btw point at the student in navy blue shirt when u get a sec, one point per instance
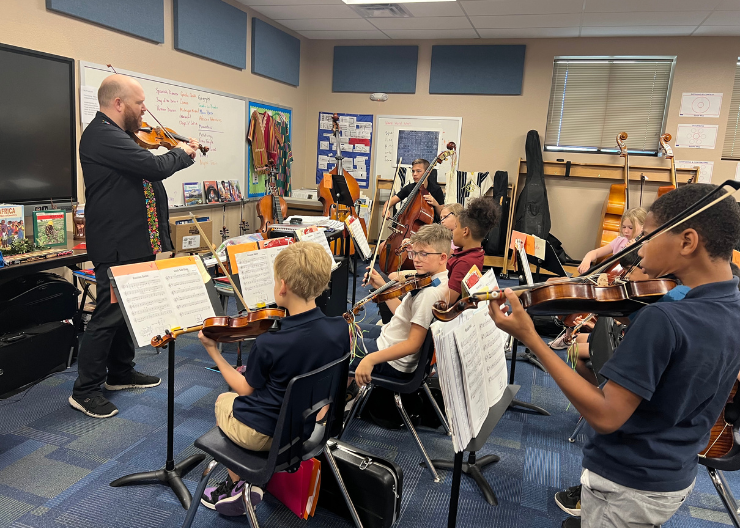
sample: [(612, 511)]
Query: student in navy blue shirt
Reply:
[(307, 340), (668, 380)]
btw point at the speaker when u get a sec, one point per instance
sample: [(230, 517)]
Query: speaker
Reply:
[(28, 355), (333, 301)]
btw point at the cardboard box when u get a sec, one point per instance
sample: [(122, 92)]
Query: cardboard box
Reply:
[(186, 237)]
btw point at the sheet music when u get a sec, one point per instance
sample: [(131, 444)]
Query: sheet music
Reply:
[(189, 295), (487, 282), (320, 238), (494, 358), (256, 275), (355, 229), (471, 356), (148, 304)]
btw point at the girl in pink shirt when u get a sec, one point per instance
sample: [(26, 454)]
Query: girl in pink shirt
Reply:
[(632, 222)]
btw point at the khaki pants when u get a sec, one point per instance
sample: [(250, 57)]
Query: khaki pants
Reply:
[(239, 433)]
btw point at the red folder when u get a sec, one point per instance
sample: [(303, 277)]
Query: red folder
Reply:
[(298, 491)]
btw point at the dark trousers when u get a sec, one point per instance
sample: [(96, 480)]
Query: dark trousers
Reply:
[(106, 347)]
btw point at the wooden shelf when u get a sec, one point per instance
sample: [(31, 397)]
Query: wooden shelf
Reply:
[(608, 171)]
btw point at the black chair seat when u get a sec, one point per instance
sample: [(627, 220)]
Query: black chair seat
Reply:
[(729, 462), (249, 465), (395, 385)]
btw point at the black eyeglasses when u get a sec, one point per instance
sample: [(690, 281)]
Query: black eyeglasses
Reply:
[(442, 219), (421, 254)]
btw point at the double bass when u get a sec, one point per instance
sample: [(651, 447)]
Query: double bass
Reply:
[(617, 202), (668, 154), (272, 208), (327, 191), (415, 213)]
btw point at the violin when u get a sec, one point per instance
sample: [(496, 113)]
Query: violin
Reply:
[(721, 438), (415, 213), (668, 154), (154, 137), (390, 290)]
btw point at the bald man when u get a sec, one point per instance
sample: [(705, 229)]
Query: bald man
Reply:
[(127, 221)]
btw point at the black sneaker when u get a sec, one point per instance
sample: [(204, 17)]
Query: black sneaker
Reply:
[(571, 522), (570, 501), (95, 406), (136, 380), (217, 493)]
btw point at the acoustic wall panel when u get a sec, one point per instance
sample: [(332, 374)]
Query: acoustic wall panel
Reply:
[(275, 54), (141, 18), (367, 69), (477, 70), (211, 29)]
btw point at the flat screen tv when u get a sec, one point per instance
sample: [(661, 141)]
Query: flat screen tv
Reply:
[(37, 134)]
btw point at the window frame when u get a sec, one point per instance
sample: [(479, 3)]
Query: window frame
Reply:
[(737, 118), (603, 58)]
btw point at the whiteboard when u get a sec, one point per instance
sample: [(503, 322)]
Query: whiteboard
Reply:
[(217, 120), (417, 134)]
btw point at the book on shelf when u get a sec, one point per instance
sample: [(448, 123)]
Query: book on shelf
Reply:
[(50, 228), (12, 226), (211, 193), (192, 193)]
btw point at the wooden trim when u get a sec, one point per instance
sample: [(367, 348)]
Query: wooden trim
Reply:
[(609, 171)]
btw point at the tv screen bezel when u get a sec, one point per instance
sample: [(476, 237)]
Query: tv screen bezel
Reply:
[(70, 62)]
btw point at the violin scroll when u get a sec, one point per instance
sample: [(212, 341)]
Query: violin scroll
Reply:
[(665, 147), (159, 341), (621, 138)]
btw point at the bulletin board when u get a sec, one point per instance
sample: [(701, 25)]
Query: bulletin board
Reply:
[(356, 138), (256, 182)]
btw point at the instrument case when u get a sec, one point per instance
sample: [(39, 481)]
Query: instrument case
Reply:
[(35, 299), (373, 483)]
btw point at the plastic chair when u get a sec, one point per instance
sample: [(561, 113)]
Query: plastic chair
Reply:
[(399, 387), (305, 396)]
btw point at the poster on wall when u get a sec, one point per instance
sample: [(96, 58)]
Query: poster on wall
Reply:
[(700, 104), (355, 138), (255, 180)]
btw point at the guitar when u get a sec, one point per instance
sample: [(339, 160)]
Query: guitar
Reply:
[(272, 208), (668, 154), (721, 438), (617, 202)]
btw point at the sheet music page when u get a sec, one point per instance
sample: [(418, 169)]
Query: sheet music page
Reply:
[(468, 347), (494, 359), (189, 295), (355, 229), (487, 282), (320, 238), (148, 305), (256, 275)]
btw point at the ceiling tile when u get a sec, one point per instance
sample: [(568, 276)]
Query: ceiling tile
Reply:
[(529, 32), (431, 33), (324, 24), (717, 31), (252, 3), (521, 7), (526, 21), (307, 11), (637, 31), (728, 5), (665, 6), (675, 18), (422, 23), (344, 35), (723, 18), (434, 9)]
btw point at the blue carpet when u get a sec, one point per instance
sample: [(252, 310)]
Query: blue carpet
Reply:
[(56, 464)]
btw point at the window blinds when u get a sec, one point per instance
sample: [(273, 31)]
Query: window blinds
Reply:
[(592, 100), (731, 147)]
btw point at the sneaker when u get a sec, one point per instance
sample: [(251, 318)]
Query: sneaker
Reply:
[(95, 406), (136, 380), (570, 501), (233, 505), (561, 343), (571, 522), (216, 493), (352, 391)]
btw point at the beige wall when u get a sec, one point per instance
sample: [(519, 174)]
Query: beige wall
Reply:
[(495, 127)]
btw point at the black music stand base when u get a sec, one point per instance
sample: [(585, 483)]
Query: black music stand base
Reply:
[(529, 357), (474, 468), (172, 473)]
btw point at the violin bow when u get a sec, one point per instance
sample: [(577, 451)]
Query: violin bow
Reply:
[(690, 212), (385, 218), (220, 264)]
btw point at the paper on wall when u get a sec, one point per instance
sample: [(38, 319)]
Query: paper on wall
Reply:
[(700, 104), (696, 136), (88, 103), (705, 168)]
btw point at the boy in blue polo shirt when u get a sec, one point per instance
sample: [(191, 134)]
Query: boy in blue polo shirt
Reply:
[(669, 378), (307, 340)]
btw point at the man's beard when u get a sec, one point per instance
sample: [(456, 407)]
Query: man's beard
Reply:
[(130, 120)]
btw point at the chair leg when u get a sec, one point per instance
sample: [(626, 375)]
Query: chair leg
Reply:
[(247, 496), (357, 407), (198, 494), (342, 487), (436, 408), (724, 492), (579, 425), (410, 427)]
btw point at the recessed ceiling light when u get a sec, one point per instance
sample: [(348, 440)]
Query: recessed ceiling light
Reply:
[(356, 2)]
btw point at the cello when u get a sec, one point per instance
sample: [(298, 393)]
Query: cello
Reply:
[(668, 154), (617, 202), (339, 209), (415, 213), (272, 208)]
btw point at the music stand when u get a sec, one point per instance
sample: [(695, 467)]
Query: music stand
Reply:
[(171, 474)]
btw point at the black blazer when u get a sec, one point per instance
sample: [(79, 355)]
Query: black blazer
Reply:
[(114, 167)]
